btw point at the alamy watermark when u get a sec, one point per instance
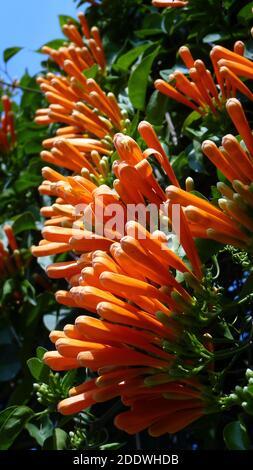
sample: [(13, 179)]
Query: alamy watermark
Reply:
[(114, 220)]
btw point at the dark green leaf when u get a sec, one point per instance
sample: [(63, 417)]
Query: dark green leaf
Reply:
[(12, 422), (207, 248), (54, 44), (143, 33), (167, 72), (40, 351), (24, 222), (38, 370), (68, 379), (10, 52), (236, 437), (91, 72), (66, 19), (211, 38), (127, 59), (194, 116), (58, 441), (112, 446), (196, 159), (138, 82), (245, 14), (26, 181), (156, 108), (41, 433)]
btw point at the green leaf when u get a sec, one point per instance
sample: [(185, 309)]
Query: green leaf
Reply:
[(143, 33), (40, 434), (134, 124), (68, 379), (207, 248), (236, 437), (28, 291), (24, 222), (26, 181), (91, 72), (245, 14), (165, 73), (40, 351), (138, 82), (196, 159), (211, 38), (66, 19), (58, 441), (54, 44), (7, 288), (12, 422), (156, 108), (10, 52), (192, 117), (127, 59), (51, 320), (112, 446), (38, 370)]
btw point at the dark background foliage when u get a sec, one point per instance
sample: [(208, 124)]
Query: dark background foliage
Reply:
[(141, 44)]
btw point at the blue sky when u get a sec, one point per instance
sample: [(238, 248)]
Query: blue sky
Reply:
[(30, 23)]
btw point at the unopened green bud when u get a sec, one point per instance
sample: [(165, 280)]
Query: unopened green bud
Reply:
[(181, 302), (247, 408), (249, 374), (189, 184), (193, 282)]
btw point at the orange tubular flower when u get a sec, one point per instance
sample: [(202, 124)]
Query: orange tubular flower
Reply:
[(232, 222), (123, 273), (85, 52), (169, 3), (199, 92), (125, 283)]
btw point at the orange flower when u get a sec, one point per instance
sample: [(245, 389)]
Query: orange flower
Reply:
[(200, 92), (125, 274), (86, 52), (205, 220), (169, 3), (132, 357)]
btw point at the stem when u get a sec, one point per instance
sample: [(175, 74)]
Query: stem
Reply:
[(214, 258), (223, 355), (171, 129), (248, 298), (24, 88)]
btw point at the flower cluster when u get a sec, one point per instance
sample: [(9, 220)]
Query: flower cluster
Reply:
[(231, 222), (200, 92), (84, 50), (7, 130), (148, 339)]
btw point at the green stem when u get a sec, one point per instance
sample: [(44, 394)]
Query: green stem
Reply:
[(24, 88)]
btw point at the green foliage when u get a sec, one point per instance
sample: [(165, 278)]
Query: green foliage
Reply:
[(10, 52), (141, 44), (138, 81), (12, 422), (236, 437)]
